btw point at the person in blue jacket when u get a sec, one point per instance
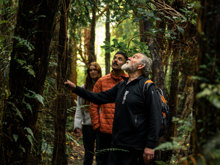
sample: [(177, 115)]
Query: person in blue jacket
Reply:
[(136, 123)]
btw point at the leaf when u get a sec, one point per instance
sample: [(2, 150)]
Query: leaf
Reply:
[(30, 70), (160, 162), (135, 41), (70, 137), (16, 110), (168, 146), (180, 29), (29, 107), (22, 148), (21, 62), (19, 113), (15, 137), (39, 98), (30, 139), (169, 18), (3, 22), (29, 131)]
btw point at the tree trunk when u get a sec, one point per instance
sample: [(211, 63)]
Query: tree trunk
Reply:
[(59, 151), (92, 56), (107, 39), (207, 115), (174, 89), (5, 33), (87, 38), (72, 67), (28, 69), (158, 75)]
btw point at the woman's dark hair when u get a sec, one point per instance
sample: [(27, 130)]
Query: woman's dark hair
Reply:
[(89, 84), (89, 81)]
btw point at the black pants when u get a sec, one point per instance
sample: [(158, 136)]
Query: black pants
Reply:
[(125, 156), (103, 144), (89, 137)]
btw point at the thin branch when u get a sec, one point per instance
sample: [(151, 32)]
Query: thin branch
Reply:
[(162, 6)]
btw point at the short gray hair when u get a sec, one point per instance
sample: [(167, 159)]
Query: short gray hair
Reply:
[(147, 64)]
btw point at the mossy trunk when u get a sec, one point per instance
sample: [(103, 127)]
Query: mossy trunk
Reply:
[(28, 69)]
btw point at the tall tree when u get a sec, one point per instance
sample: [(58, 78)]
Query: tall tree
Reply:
[(59, 151), (92, 56), (7, 16), (72, 58), (107, 39), (28, 68), (207, 110)]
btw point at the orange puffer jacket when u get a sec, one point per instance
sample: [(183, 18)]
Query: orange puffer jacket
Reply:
[(102, 115)]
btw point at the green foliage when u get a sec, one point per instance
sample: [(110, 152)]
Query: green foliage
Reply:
[(34, 95), (135, 47), (127, 39), (190, 11), (23, 43), (180, 143), (47, 152), (81, 72), (210, 92), (15, 137), (18, 112), (211, 151), (180, 29), (174, 145), (110, 150), (30, 135), (160, 162)]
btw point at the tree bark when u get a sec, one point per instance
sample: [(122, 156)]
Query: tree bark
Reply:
[(6, 39), (92, 56), (28, 69), (72, 66), (158, 75), (107, 39), (206, 114), (59, 151)]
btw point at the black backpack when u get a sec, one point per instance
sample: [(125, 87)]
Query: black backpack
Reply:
[(164, 107)]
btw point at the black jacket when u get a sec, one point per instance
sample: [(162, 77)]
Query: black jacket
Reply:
[(137, 117)]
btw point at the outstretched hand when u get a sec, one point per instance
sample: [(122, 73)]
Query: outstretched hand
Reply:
[(70, 84)]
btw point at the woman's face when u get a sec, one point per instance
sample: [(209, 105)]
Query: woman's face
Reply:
[(93, 72)]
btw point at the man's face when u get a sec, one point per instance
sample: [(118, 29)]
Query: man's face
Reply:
[(132, 63), (118, 61)]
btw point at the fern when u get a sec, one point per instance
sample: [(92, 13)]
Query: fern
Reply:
[(23, 42), (110, 150)]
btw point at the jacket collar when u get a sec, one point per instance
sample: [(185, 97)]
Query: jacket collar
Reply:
[(139, 78), (119, 77)]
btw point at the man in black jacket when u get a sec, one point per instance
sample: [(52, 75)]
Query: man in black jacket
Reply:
[(136, 122)]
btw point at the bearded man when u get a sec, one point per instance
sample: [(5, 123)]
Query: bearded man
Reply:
[(136, 122)]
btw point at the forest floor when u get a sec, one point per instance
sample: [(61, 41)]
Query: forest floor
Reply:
[(77, 152)]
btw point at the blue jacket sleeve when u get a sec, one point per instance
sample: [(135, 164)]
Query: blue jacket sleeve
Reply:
[(97, 98)]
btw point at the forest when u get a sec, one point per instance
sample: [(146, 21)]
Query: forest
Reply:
[(45, 42)]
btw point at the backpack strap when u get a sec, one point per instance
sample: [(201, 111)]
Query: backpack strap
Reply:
[(147, 84)]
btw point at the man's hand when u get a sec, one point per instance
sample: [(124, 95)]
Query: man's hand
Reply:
[(148, 155), (70, 84)]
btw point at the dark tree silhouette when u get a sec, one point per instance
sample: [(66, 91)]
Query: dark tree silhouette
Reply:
[(28, 69)]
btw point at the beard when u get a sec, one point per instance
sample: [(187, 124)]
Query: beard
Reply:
[(129, 68)]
